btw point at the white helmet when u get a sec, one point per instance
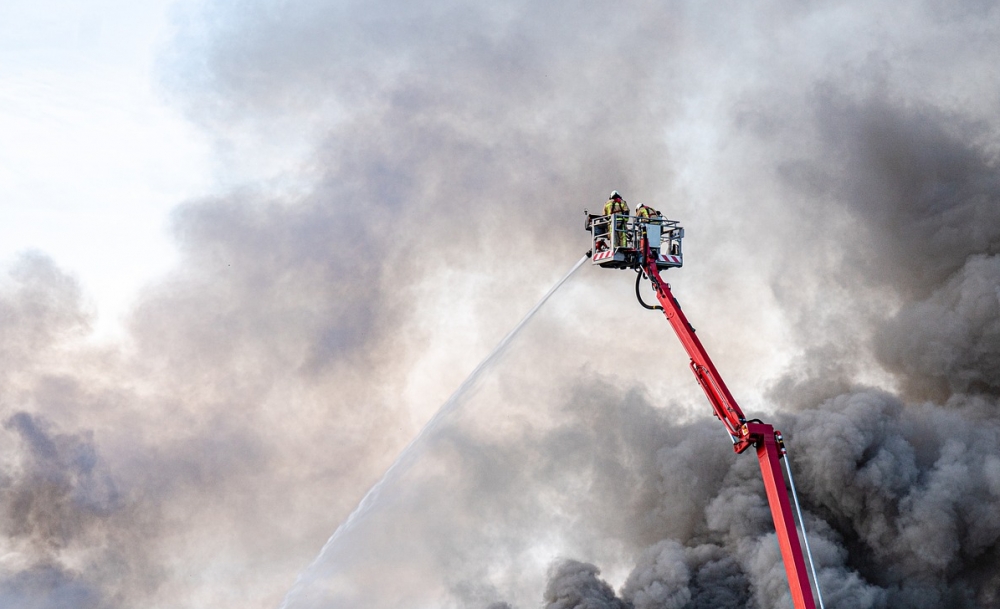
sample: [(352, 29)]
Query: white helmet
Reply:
[(614, 193)]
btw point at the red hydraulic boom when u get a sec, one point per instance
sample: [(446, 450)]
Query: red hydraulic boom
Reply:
[(648, 245)]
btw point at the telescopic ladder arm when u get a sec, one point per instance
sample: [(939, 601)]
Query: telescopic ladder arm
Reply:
[(744, 434)]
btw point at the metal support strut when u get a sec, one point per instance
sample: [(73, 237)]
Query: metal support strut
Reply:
[(802, 523)]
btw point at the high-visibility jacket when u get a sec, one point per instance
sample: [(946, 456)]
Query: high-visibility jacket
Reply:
[(646, 212), (615, 206), (618, 206)]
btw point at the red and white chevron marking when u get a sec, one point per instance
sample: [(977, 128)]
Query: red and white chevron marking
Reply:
[(670, 258), (603, 255)]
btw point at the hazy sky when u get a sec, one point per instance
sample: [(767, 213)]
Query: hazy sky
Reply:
[(94, 157)]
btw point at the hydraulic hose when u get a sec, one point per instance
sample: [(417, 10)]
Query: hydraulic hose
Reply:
[(638, 278)]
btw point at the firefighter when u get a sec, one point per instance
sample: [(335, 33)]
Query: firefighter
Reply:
[(644, 212), (617, 205)]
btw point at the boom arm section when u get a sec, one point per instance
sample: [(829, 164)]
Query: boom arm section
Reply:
[(745, 434)]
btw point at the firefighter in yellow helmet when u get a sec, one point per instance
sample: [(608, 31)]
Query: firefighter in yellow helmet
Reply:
[(617, 205)]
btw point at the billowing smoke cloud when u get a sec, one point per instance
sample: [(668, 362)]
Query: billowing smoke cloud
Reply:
[(575, 584), (403, 181)]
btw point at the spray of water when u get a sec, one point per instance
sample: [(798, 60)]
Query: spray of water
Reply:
[(412, 450)]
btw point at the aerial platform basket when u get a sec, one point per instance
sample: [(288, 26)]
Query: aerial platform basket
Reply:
[(617, 241)]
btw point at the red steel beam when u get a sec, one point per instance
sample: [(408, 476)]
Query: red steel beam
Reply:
[(745, 434), (768, 455)]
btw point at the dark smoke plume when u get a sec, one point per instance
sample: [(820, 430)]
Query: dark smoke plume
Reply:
[(575, 585), (399, 183)]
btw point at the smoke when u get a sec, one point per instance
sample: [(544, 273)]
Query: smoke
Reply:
[(399, 182), (573, 584), (73, 530)]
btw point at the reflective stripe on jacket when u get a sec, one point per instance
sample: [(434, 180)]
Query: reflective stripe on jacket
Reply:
[(646, 212), (615, 207)]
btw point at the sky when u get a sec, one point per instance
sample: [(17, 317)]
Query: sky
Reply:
[(249, 249), (94, 157)]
